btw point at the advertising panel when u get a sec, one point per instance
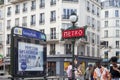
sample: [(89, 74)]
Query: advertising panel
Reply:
[(30, 57)]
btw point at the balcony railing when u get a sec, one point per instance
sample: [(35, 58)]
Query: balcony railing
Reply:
[(8, 13), (24, 9), (16, 1), (52, 19), (52, 3), (65, 16), (53, 37), (41, 21), (42, 5), (17, 11), (33, 7)]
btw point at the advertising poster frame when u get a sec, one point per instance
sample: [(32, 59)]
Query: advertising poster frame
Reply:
[(27, 47)]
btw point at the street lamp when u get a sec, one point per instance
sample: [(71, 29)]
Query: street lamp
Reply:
[(73, 18)]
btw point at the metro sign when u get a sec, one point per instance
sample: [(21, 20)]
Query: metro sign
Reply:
[(74, 33)]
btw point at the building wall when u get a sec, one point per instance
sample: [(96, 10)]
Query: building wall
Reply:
[(111, 27)]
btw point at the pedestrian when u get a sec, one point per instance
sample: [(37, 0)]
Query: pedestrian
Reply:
[(100, 72), (114, 69), (69, 71), (79, 75), (88, 72)]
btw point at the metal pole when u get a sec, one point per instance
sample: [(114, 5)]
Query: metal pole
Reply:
[(73, 76)]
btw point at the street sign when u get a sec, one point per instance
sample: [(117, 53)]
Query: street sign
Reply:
[(74, 33)]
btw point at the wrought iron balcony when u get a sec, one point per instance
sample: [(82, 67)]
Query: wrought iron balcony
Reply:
[(42, 5), (24, 9), (65, 16), (17, 1), (54, 37), (52, 2), (8, 13), (41, 21)]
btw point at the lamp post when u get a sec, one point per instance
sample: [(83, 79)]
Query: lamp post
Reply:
[(73, 18)]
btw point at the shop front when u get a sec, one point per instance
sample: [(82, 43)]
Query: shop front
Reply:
[(57, 64)]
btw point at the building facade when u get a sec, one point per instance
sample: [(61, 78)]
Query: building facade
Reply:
[(50, 16), (110, 29)]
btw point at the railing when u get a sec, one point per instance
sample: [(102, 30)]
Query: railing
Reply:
[(52, 37)]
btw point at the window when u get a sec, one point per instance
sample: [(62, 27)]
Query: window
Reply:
[(1, 27), (106, 33), (24, 23), (42, 3), (106, 55), (33, 19), (93, 11), (51, 68), (93, 51), (17, 9), (8, 38), (8, 11), (98, 11), (118, 54), (53, 33), (88, 51), (17, 22), (52, 49), (8, 24), (93, 22), (88, 20), (53, 2), (42, 18), (117, 44), (106, 13), (1, 14), (93, 38), (98, 25), (98, 39), (117, 23), (24, 7), (117, 33), (33, 7), (68, 48), (116, 13), (53, 16), (67, 13), (88, 6), (8, 52), (106, 23)]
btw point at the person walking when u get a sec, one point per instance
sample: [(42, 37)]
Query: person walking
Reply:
[(114, 69), (79, 75), (69, 71), (100, 72), (88, 72)]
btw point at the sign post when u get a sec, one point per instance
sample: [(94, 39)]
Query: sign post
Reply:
[(28, 53)]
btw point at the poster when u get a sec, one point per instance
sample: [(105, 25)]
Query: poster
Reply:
[(30, 57)]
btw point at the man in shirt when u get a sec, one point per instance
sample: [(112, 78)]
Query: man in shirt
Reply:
[(100, 72)]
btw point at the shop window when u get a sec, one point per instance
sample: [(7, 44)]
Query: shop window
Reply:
[(51, 68)]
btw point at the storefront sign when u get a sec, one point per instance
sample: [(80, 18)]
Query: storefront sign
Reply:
[(73, 33)]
